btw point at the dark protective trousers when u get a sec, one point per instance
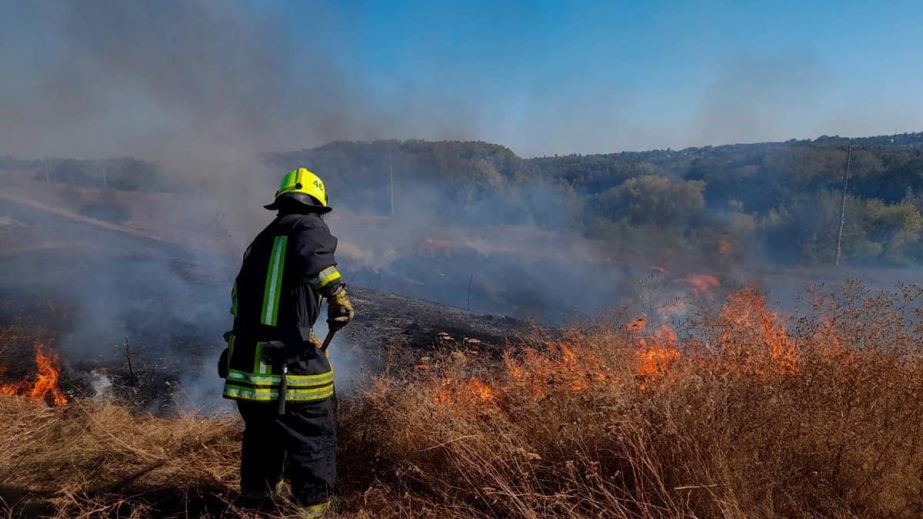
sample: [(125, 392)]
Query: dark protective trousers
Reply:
[(299, 446)]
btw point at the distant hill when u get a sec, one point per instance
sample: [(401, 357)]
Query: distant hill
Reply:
[(784, 197), (780, 199), (122, 174)]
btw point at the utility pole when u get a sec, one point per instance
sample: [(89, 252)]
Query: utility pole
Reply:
[(839, 234)]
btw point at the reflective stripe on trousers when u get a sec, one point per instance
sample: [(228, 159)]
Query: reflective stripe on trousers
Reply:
[(241, 385)]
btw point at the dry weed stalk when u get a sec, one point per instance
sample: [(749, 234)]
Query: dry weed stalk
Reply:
[(748, 415), (741, 413)]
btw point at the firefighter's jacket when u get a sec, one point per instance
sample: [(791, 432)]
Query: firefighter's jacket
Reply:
[(275, 302)]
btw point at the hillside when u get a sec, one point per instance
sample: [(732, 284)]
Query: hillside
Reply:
[(655, 407), (783, 199)]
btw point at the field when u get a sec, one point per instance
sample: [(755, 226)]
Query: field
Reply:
[(605, 262), (733, 412)]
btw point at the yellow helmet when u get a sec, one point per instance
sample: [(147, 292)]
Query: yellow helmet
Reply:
[(303, 186)]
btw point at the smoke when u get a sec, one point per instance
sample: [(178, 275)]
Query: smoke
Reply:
[(198, 87), (129, 77), (203, 88), (101, 384)]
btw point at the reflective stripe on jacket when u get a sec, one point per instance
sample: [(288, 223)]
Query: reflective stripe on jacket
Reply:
[(275, 301)]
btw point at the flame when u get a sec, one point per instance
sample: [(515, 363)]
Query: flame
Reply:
[(724, 247), (747, 313), (750, 340), (657, 353), (701, 283), (655, 361), (638, 325), (449, 393), (665, 335), (480, 390), (576, 368), (675, 308), (567, 354), (45, 386)]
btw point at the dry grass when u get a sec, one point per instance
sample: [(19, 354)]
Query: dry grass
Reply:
[(743, 415), (101, 459)]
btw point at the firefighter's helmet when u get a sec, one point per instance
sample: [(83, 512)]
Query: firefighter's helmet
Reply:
[(302, 186)]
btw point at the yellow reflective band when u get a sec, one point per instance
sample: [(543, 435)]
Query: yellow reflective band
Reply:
[(314, 511), (288, 182), (266, 394), (273, 290), (302, 381), (258, 365), (246, 393), (325, 277)]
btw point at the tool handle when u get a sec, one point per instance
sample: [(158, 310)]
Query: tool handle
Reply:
[(327, 340)]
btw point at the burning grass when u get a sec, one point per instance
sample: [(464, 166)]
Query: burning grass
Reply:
[(738, 413), (45, 385)]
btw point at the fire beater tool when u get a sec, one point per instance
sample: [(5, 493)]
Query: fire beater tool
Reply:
[(327, 340)]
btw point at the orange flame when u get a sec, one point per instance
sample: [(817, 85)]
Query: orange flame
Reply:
[(747, 312), (701, 283), (725, 246), (638, 325), (567, 354), (45, 386), (479, 389), (450, 393), (657, 353), (750, 341)]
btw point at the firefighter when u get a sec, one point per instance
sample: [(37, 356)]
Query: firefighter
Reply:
[(273, 366)]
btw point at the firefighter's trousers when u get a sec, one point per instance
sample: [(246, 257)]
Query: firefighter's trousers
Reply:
[(299, 446)]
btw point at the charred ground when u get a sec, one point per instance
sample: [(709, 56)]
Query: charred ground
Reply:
[(109, 294)]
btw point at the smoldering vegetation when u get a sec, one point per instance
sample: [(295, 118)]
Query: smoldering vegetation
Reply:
[(205, 103), (139, 142), (735, 412), (466, 224)]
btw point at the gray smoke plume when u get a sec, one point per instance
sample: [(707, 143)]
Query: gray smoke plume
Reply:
[(199, 87), (202, 89)]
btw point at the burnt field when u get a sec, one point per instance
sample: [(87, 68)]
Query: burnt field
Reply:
[(737, 412), (110, 279), (142, 316), (161, 344), (698, 395)]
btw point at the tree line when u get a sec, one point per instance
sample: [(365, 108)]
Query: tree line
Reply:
[(783, 198)]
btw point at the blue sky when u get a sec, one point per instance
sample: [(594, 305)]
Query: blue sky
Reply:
[(101, 77), (556, 77)]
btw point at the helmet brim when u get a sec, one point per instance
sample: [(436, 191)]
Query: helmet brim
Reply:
[(307, 201)]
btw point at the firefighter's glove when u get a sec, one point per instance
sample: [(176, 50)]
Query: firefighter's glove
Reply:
[(224, 360), (313, 340), (223, 363), (339, 310)]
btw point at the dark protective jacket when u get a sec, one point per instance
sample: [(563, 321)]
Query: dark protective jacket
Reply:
[(275, 301)]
